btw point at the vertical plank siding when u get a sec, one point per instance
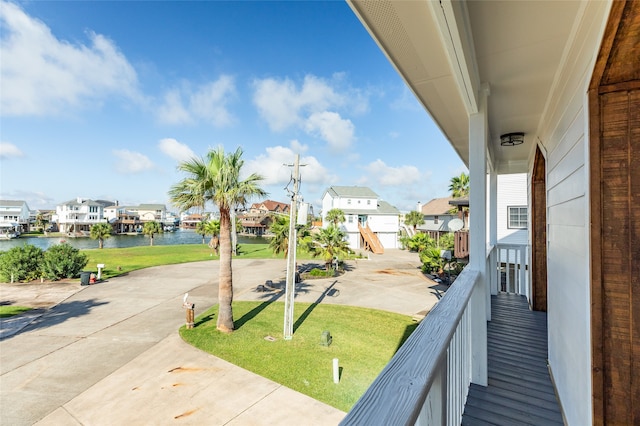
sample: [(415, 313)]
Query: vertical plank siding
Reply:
[(520, 389)]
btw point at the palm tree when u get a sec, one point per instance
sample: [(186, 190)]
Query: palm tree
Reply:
[(413, 219), (330, 243), (335, 216), (200, 229), (459, 186), (279, 243), (150, 229), (100, 231), (216, 178), (212, 228)]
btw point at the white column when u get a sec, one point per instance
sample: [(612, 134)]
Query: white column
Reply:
[(478, 240), (492, 273)]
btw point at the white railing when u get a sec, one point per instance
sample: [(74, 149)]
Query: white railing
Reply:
[(427, 380), (512, 270)]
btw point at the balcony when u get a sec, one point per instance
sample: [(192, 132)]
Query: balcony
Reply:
[(429, 380)]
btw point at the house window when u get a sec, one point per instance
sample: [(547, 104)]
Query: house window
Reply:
[(93, 209), (348, 200), (368, 202), (517, 217), (350, 219)]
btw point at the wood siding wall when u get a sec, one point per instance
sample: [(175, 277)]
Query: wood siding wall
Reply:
[(615, 229)]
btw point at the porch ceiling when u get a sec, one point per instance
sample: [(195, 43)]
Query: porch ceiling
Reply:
[(446, 50)]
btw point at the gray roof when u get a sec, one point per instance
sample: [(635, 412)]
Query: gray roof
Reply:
[(152, 206), (12, 203), (384, 208), (351, 191)]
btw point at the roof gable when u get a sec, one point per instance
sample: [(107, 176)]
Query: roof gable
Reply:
[(437, 206)]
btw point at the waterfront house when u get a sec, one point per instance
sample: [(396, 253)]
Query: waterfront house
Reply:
[(258, 218), (14, 216), (76, 217), (550, 89), (370, 223)]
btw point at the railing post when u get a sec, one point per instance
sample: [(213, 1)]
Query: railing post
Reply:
[(434, 409)]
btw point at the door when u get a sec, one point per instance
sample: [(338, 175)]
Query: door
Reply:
[(614, 102)]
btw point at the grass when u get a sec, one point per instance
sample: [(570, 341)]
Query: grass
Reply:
[(364, 340), (119, 261), (11, 310)]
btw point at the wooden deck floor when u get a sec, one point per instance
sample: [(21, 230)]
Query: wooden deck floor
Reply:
[(520, 390)]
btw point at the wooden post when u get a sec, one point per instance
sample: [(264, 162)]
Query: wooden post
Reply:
[(190, 307)]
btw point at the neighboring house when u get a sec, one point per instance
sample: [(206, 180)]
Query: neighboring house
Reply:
[(436, 214), (129, 219), (370, 223), (258, 219), (550, 89), (190, 221), (14, 216), (513, 209), (76, 217)]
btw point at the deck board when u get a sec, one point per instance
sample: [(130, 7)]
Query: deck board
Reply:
[(520, 389)]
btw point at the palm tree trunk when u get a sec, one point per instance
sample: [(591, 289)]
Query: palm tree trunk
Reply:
[(225, 286)]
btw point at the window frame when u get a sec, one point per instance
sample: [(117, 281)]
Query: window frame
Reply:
[(519, 224)]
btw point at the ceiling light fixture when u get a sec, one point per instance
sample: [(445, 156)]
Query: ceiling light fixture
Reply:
[(512, 139)]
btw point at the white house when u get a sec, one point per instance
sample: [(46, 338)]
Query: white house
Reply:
[(369, 221), (79, 215), (14, 216), (550, 89)]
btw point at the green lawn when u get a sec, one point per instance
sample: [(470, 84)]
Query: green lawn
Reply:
[(11, 310), (118, 261), (364, 340)]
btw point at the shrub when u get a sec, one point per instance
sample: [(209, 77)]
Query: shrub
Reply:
[(21, 264), (431, 260), (63, 261)]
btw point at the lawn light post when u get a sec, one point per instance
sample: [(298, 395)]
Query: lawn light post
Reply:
[(290, 287)]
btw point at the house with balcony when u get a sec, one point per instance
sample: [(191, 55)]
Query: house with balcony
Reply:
[(258, 218), (550, 89), (370, 223), (76, 217), (14, 218)]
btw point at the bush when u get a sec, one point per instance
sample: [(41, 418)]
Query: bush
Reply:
[(431, 260), (63, 261), (21, 264)]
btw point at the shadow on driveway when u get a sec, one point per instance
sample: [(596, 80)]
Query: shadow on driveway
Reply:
[(64, 311)]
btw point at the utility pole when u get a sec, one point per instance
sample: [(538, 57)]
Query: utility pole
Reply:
[(291, 256)]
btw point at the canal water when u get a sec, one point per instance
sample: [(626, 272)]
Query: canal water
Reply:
[(181, 236)]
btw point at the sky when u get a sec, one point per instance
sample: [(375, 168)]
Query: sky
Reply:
[(103, 100)]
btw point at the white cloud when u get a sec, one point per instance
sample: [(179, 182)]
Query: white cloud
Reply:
[(386, 175), (34, 199), (206, 103), (176, 150), (9, 150), (173, 111), (313, 107), (274, 166), (42, 74), (338, 132), (130, 162)]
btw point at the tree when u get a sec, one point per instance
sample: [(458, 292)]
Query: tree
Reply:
[(212, 228), (330, 243), (414, 219), (216, 178), (100, 231), (200, 229), (459, 186), (279, 243), (335, 216), (151, 229)]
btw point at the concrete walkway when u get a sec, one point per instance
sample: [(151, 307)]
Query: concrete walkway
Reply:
[(109, 353)]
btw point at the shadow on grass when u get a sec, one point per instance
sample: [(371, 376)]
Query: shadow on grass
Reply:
[(204, 319), (311, 307), (407, 332), (254, 312)]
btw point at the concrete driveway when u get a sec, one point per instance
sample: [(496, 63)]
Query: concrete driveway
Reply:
[(110, 353)]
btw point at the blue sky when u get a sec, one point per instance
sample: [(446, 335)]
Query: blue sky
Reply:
[(103, 99)]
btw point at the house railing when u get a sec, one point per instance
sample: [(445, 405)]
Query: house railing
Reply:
[(427, 380), (512, 270), (461, 244)]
